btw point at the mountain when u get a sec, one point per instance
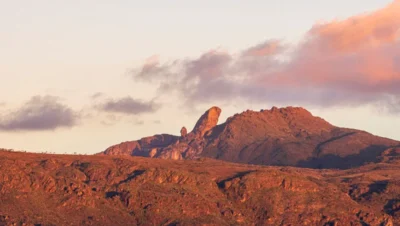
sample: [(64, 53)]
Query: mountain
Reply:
[(39, 189), (289, 136)]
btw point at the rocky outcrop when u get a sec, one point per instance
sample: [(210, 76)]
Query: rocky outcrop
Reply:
[(191, 146), (187, 146), (289, 136), (144, 147), (124, 148), (207, 121), (183, 132)]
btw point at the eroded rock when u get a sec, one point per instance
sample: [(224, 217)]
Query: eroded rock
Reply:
[(207, 121), (183, 132)]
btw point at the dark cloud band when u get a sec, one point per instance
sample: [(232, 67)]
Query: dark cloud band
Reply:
[(128, 105)]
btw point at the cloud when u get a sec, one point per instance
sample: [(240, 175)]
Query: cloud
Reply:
[(267, 48), (128, 105), (96, 95), (137, 122), (350, 62), (39, 113), (157, 122), (355, 61), (362, 31), (110, 119), (152, 69)]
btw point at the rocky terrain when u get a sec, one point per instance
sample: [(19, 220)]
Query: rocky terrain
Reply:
[(355, 180), (39, 189), (289, 136)]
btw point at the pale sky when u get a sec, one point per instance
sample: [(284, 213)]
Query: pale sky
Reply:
[(67, 67)]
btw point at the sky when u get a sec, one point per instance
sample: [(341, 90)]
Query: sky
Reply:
[(79, 76)]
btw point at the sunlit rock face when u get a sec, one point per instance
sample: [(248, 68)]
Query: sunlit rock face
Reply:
[(207, 121)]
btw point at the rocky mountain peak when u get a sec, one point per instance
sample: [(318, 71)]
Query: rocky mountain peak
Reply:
[(277, 136), (207, 121)]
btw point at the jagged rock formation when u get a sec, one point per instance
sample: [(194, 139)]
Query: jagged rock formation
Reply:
[(183, 132), (280, 136), (38, 189), (207, 121), (187, 146)]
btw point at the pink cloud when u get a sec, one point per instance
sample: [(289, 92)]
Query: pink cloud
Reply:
[(351, 62), (364, 31), (267, 48)]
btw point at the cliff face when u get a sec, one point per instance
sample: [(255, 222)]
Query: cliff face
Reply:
[(207, 121), (280, 136), (37, 189)]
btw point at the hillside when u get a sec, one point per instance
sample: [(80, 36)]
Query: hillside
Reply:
[(38, 189), (289, 136)]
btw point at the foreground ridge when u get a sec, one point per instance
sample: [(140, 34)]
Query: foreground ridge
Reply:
[(38, 189)]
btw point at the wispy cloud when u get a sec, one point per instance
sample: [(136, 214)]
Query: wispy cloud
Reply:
[(97, 95), (157, 122), (127, 105), (39, 113)]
